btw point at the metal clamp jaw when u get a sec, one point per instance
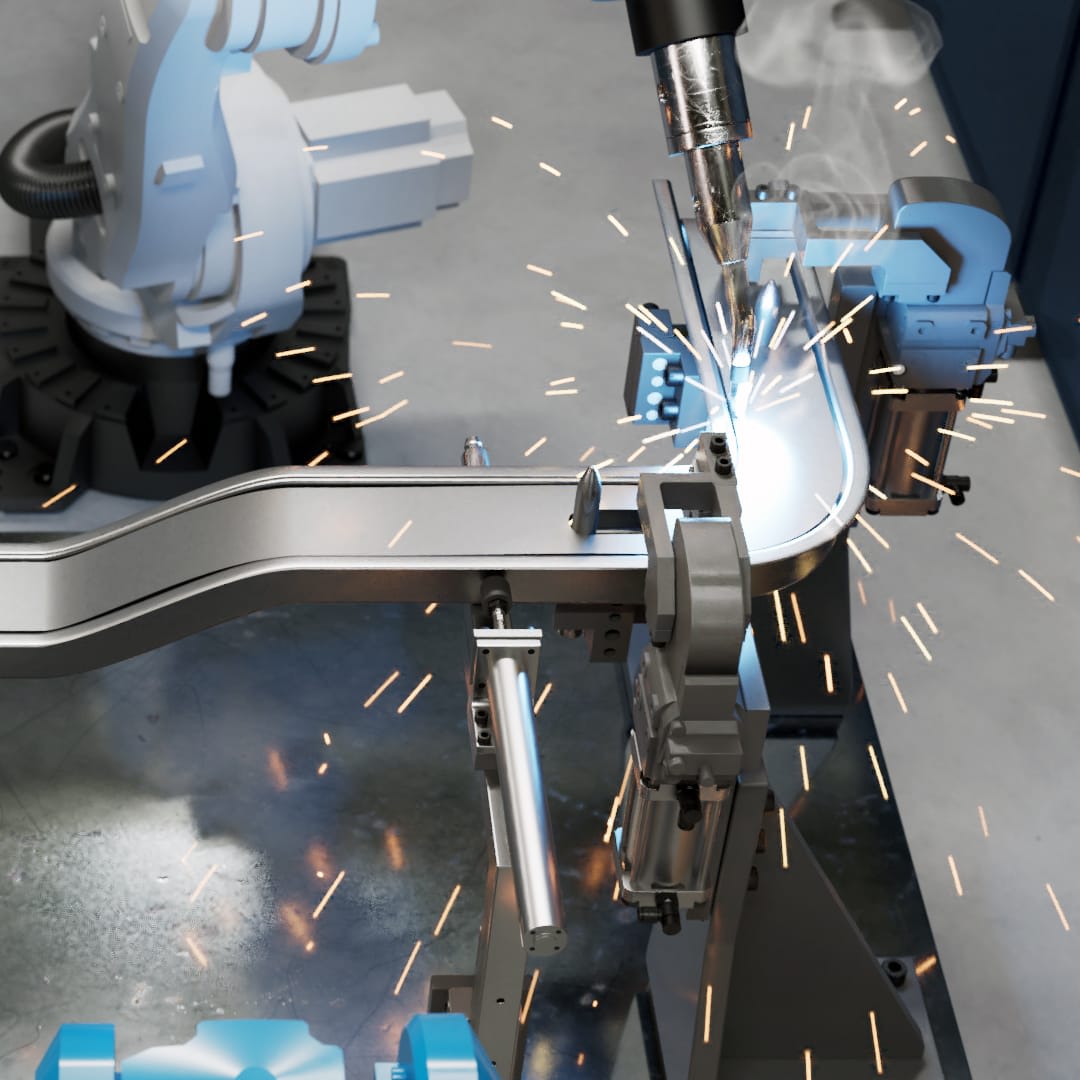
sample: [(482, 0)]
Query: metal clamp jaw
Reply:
[(687, 746)]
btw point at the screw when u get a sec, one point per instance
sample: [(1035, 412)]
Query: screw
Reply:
[(896, 970)]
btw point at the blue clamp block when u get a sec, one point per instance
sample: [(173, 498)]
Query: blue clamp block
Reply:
[(221, 1050), (439, 1046)]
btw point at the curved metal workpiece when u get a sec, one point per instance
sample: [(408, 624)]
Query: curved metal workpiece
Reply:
[(802, 480)]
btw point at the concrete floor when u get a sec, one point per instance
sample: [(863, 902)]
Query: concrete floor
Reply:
[(989, 721)]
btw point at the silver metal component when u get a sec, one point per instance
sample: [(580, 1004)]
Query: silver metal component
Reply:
[(586, 516), (700, 89), (766, 318), (475, 455), (505, 660)]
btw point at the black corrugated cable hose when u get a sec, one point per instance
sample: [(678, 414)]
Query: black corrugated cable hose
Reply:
[(37, 182)]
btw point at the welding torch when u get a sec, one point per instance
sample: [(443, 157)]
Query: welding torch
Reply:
[(703, 104)]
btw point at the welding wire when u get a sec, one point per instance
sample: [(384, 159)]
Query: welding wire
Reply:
[(408, 966)]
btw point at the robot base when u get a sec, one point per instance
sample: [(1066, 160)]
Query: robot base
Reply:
[(75, 411)]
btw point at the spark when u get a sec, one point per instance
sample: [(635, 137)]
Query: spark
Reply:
[(804, 767), (817, 337), (706, 391), (682, 338), (446, 910), (560, 393), (915, 111), (862, 592), (1034, 584), (297, 352), (249, 236), (563, 382), (906, 623), (391, 377), (798, 618), (788, 264), (951, 139), (399, 534), (569, 301), (980, 423), (655, 340), (172, 450), (196, 952), (859, 555), (876, 237), (932, 483), (618, 225), (316, 148), (318, 459), (1021, 412), (883, 390), (615, 891), (928, 963), (877, 771), (588, 454), (202, 884), (529, 996), (784, 864), (626, 777), (277, 770), (383, 415), (920, 148), (472, 344), (720, 318), (433, 154), (956, 877), (549, 168), (675, 248), (636, 454), (797, 382), (544, 695), (1057, 906), (808, 1062), (917, 457), (372, 296), (892, 611), (629, 419), (780, 625), (535, 446), (900, 104), (651, 317), (896, 690), (872, 531), (847, 335), (1015, 329), (1069, 472), (781, 331), (708, 1012), (790, 135), (778, 401), (956, 434), (430, 609), (408, 966), (339, 377), (878, 1066), (255, 319), (772, 382), (309, 947), (844, 324), (830, 688), (415, 693), (572, 325), (189, 851), (390, 679), (298, 286), (321, 771), (329, 892), (986, 417), (986, 367), (350, 414), (502, 123), (678, 457), (393, 849), (975, 547), (894, 369), (326, 738), (542, 271), (806, 117), (843, 255), (983, 824)]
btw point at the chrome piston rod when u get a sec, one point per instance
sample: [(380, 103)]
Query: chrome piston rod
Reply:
[(528, 823)]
